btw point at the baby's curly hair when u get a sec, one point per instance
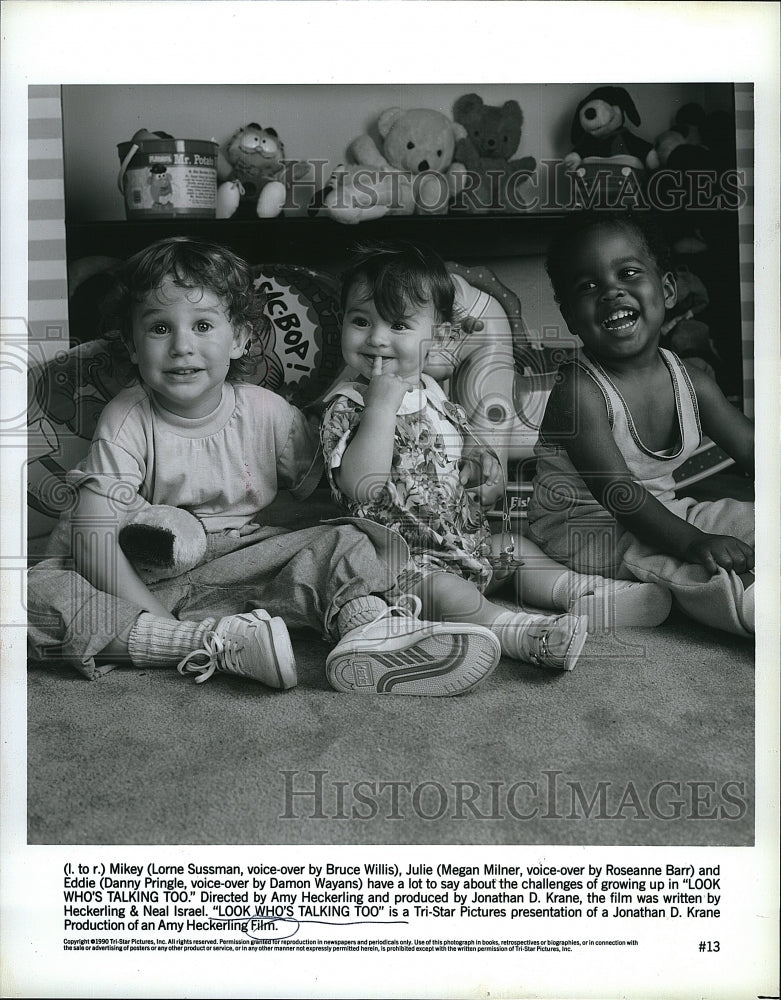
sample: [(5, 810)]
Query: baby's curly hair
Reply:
[(397, 275), (188, 263), (644, 225)]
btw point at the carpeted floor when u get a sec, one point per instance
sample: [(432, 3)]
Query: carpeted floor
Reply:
[(649, 741)]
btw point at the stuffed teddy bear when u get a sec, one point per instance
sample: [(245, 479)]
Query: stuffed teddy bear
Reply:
[(251, 173), (412, 172), (163, 542), (493, 136)]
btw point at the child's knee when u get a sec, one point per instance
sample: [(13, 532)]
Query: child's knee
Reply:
[(451, 596), (373, 542)]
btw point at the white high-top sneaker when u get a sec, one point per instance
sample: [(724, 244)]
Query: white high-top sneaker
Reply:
[(252, 645)]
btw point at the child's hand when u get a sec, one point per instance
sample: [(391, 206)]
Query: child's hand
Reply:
[(385, 391), (482, 474), (713, 551)]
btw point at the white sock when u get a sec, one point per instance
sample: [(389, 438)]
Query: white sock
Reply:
[(554, 642), (509, 628), (359, 611), (161, 642)]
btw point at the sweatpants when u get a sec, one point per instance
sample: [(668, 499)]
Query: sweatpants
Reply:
[(600, 545), (305, 577)]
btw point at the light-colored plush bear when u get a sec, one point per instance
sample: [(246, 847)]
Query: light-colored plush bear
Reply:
[(412, 173)]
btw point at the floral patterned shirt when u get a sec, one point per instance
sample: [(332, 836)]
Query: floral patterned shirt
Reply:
[(423, 499)]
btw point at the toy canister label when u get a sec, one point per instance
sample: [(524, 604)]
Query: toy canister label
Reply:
[(169, 177)]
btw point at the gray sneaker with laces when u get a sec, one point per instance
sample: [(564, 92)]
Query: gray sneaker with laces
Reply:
[(252, 645)]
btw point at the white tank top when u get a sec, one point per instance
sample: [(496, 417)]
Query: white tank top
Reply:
[(654, 470)]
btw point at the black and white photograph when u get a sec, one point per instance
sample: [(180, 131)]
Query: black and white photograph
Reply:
[(596, 647), (394, 451)]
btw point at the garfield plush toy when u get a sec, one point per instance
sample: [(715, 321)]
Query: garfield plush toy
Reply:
[(251, 173)]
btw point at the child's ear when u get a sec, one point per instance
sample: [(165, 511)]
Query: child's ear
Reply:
[(670, 286), (241, 339)]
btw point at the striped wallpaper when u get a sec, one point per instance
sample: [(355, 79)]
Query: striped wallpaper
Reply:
[(744, 127), (47, 267)]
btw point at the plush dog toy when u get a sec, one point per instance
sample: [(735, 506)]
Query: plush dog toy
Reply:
[(162, 542), (412, 172), (599, 129), (493, 136)]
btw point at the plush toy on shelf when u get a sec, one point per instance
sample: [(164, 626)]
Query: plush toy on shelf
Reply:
[(250, 170), (599, 129), (696, 140), (697, 143), (254, 178), (412, 171), (602, 143), (493, 137), (664, 152), (681, 147)]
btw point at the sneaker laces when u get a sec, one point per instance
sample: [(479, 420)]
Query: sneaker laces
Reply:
[(214, 648), (408, 606)]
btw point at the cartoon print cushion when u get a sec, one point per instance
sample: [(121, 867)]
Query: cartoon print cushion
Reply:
[(297, 354)]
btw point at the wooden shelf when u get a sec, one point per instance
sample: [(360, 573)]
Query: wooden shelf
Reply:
[(303, 240)]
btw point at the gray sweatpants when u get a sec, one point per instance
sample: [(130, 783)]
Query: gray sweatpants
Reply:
[(603, 547), (306, 577)]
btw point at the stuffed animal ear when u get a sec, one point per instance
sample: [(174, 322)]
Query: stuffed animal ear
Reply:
[(459, 132), (627, 105), (466, 105), (387, 120), (272, 131), (512, 117)]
